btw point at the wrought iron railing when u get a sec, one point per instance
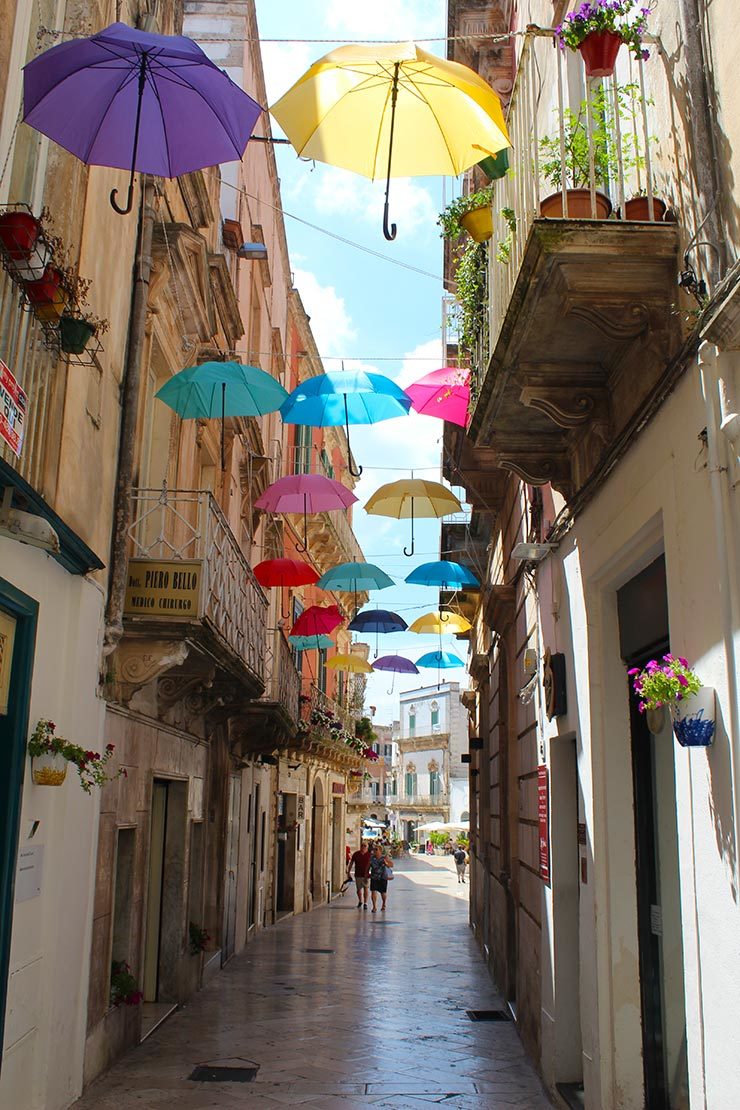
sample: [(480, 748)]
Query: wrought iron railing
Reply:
[(188, 524), (315, 698), (283, 680)]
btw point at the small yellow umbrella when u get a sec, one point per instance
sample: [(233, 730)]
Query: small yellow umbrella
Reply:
[(440, 623), (410, 498), (392, 110), (351, 663)]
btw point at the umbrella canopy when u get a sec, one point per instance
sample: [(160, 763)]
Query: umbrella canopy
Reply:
[(352, 663), (310, 643), (443, 573), (345, 397), (439, 623), (285, 572), (377, 620), (392, 110), (444, 393), (138, 101), (412, 497), (221, 389), (317, 619), (442, 660), (354, 577), (395, 663), (305, 493)]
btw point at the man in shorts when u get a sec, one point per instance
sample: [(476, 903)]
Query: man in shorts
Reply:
[(360, 860)]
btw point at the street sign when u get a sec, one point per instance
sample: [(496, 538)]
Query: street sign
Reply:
[(13, 404), (543, 812)]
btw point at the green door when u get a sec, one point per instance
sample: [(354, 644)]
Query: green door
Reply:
[(18, 615)]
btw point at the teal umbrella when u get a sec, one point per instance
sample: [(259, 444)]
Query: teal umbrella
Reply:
[(216, 390), (354, 576), (308, 643)]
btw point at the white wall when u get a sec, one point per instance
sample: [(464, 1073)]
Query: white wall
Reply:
[(50, 950)]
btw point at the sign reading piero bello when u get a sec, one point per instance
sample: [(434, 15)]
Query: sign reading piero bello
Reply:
[(170, 588)]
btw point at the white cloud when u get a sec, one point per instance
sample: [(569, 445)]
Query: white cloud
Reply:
[(388, 19), (411, 205), (283, 63), (330, 322)]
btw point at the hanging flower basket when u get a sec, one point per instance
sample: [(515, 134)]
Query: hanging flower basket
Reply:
[(599, 27), (18, 233), (46, 296), (478, 223), (49, 769), (599, 52), (74, 334), (693, 719)]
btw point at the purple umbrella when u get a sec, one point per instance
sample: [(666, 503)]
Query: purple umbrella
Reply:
[(397, 664), (130, 99)]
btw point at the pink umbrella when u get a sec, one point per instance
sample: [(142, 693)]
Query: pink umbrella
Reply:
[(444, 393), (305, 493)]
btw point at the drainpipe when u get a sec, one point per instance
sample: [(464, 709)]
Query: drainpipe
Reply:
[(702, 104), (130, 389)]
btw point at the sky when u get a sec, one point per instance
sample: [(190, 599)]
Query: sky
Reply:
[(367, 311)]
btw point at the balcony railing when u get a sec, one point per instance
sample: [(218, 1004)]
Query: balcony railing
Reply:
[(170, 526), (283, 680), (423, 801), (309, 459), (317, 699), (627, 138)]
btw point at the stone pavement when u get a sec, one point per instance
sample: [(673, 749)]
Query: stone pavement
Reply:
[(378, 1022)]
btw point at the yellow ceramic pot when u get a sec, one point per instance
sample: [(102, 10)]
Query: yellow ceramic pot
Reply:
[(478, 223)]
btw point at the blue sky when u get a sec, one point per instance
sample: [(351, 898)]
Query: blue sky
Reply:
[(367, 311)]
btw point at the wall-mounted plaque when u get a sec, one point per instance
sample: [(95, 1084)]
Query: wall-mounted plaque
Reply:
[(169, 588)]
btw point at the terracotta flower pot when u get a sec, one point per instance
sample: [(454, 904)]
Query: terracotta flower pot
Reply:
[(478, 223), (599, 52), (46, 295), (639, 209), (579, 205), (75, 334), (49, 770), (18, 233)]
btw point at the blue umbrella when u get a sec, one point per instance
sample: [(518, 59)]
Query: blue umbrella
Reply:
[(442, 660), (345, 397), (377, 620), (354, 577), (443, 573)]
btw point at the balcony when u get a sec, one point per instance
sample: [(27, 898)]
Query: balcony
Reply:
[(422, 801), (320, 718), (582, 322), (190, 586), (271, 721)]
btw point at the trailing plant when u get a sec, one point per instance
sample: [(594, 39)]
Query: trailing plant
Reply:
[(664, 683), (364, 730), (503, 250), (123, 986), (449, 219), (90, 765), (471, 307), (625, 18), (76, 288), (199, 938)]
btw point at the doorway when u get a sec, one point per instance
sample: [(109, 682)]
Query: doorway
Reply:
[(317, 842), (231, 867), (18, 615), (163, 940), (337, 842), (643, 626), (253, 828)]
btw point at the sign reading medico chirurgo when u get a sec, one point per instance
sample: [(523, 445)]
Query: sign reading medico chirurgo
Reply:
[(156, 588), (13, 403)]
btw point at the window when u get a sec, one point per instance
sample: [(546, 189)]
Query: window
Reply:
[(322, 670), (302, 460), (326, 464), (297, 655), (412, 720), (410, 783), (376, 748), (387, 750), (341, 687), (435, 716), (375, 787), (394, 791), (386, 789), (434, 783)]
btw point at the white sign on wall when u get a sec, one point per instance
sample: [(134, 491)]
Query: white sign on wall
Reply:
[(29, 873)]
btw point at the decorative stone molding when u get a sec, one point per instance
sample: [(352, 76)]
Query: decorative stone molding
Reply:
[(500, 607), (137, 661)]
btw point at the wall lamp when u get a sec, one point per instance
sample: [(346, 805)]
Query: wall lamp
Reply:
[(532, 552), (254, 252)]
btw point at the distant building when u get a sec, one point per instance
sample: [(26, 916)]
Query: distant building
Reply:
[(372, 798)]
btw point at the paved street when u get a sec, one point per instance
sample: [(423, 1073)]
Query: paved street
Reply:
[(378, 1022)]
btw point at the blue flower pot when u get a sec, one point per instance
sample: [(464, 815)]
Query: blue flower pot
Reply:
[(693, 719)]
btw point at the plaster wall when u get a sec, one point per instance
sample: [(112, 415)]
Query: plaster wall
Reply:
[(50, 948)]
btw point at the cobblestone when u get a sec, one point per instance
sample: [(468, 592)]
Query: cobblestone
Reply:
[(380, 1022)]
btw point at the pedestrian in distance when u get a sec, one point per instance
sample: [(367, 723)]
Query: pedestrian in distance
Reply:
[(461, 859), (381, 871), (360, 860)]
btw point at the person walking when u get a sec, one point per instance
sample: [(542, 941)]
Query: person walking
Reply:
[(461, 859), (360, 860), (381, 870)]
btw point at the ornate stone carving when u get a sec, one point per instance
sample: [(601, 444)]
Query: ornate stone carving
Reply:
[(137, 662), (619, 321)]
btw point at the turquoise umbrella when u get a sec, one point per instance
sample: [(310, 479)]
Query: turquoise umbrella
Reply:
[(442, 660), (219, 389), (308, 643), (354, 577), (443, 573)]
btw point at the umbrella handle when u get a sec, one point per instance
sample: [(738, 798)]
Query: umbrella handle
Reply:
[(303, 548), (114, 192), (355, 473), (408, 554), (390, 233)]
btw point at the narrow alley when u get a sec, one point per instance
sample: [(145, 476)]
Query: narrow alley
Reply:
[(342, 1008)]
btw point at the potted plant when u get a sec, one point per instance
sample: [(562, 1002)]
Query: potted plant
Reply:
[(123, 986), (471, 213), (639, 205), (673, 685), (51, 754), (599, 27), (199, 938), (19, 230), (47, 295), (76, 331)]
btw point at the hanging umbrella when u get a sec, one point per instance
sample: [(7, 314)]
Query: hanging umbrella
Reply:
[(220, 389), (443, 573), (442, 660), (377, 621), (284, 572), (444, 393), (317, 620), (413, 497), (352, 663), (305, 493), (345, 397), (308, 643), (354, 577), (138, 101), (437, 623), (392, 110), (397, 664)]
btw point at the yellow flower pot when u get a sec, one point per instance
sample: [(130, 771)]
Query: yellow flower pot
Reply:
[(49, 770), (478, 223)]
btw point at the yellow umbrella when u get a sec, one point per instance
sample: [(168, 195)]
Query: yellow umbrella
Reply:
[(351, 663), (410, 498), (355, 103), (440, 623)]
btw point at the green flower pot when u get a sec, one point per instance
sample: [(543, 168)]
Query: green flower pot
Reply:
[(75, 334)]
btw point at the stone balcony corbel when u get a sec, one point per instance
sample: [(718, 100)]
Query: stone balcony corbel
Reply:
[(136, 661)]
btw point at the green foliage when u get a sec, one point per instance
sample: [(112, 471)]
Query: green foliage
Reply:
[(503, 250), (364, 730), (449, 220), (90, 765), (664, 683), (623, 17), (470, 277), (439, 839), (199, 938), (123, 985)]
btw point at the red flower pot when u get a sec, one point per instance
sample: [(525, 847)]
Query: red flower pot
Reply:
[(18, 233), (46, 295), (599, 51)]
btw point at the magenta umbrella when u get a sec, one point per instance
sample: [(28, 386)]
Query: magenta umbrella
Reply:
[(444, 393), (305, 493), (397, 664)]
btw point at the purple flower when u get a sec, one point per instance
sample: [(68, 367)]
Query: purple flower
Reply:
[(633, 670), (683, 680), (642, 707), (644, 54), (683, 662)]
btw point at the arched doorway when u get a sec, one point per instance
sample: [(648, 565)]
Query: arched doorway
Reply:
[(318, 811)]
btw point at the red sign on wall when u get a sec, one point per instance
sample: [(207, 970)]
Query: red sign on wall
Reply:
[(543, 812), (13, 403), (337, 788)]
